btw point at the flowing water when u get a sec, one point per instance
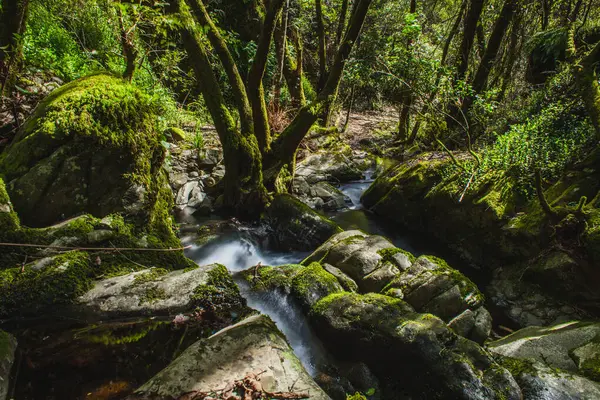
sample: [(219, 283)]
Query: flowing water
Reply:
[(68, 359), (238, 251)]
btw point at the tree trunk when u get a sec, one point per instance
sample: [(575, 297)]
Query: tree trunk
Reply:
[(256, 93), (244, 192), (590, 90), (13, 21), (545, 14), (322, 45), (493, 46), (342, 22), (292, 68), (285, 145), (470, 28), (129, 51), (452, 32)]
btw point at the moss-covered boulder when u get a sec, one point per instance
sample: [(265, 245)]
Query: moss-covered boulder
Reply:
[(573, 347), (8, 345), (48, 282), (487, 222), (424, 194), (158, 291), (92, 146), (417, 354), (427, 283), (306, 284), (295, 226), (253, 349)]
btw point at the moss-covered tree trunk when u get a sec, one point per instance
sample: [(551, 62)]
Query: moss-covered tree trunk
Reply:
[(255, 89), (283, 151), (244, 192), (590, 90), (13, 20), (492, 50), (129, 51), (292, 66)]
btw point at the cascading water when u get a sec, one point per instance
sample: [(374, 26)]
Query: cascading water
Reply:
[(239, 253)]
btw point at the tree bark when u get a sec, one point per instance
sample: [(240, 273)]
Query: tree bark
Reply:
[(590, 90), (244, 192), (255, 78), (470, 28), (342, 22), (285, 145), (233, 74), (322, 45), (493, 46), (292, 67), (13, 21), (129, 51)]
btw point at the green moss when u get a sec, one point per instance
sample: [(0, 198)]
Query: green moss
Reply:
[(65, 278), (591, 368), (388, 254), (356, 396), (270, 278), (6, 345), (219, 294), (517, 367), (152, 295), (9, 221), (151, 276), (109, 337), (313, 279)]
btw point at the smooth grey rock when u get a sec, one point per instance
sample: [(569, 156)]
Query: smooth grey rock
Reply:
[(483, 325), (146, 291), (254, 345), (549, 345), (327, 166), (539, 382), (347, 283), (183, 195), (463, 323)]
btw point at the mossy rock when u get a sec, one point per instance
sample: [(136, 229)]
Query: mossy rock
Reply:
[(417, 351), (424, 194), (306, 284), (47, 282), (92, 146), (295, 226)]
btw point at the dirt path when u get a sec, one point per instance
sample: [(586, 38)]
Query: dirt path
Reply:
[(367, 124)]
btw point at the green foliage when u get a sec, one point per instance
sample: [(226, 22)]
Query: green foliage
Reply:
[(71, 41)]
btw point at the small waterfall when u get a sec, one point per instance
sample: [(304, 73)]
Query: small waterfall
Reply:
[(239, 253)]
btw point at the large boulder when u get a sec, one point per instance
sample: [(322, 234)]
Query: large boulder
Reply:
[(525, 303), (427, 283), (158, 291), (90, 147), (478, 225), (417, 352), (540, 382), (489, 223), (8, 345), (573, 347), (253, 350), (295, 226)]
